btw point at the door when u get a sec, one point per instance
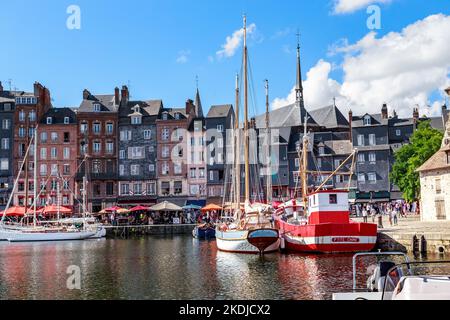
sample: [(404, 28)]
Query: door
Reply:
[(440, 210)]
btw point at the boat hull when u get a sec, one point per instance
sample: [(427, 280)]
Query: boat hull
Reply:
[(237, 242), (328, 237), (204, 233), (47, 236)]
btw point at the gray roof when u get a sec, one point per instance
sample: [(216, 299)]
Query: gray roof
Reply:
[(219, 111), (330, 117), (288, 116), (58, 115), (3, 99), (148, 108), (105, 100)]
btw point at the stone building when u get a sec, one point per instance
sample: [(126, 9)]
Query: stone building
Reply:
[(7, 107), (97, 119), (435, 183), (137, 152), (171, 129), (57, 157), (30, 108)]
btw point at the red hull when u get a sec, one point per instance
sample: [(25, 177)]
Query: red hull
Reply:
[(328, 237)]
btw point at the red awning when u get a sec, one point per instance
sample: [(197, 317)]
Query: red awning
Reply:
[(54, 209), (212, 207), (139, 208)]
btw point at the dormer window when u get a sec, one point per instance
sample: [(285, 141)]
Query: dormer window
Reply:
[(177, 116), (136, 120), (66, 120), (97, 107), (164, 116), (49, 120), (367, 120)]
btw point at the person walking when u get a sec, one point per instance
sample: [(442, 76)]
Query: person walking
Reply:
[(364, 214)]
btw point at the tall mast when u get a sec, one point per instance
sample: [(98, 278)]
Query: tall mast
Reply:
[(268, 141), (237, 155), (305, 165), (35, 175), (246, 135), (29, 141)]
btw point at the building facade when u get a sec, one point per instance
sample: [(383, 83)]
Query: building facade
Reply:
[(7, 106), (97, 119), (138, 152), (57, 158), (172, 127), (30, 108)]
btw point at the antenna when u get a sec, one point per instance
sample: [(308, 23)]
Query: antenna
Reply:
[(10, 84)]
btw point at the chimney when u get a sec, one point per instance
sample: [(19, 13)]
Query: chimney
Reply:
[(415, 117), (86, 94), (350, 123), (1, 87), (384, 111), (190, 108), (116, 96), (125, 94)]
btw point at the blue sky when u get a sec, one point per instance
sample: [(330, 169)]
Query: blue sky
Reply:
[(139, 42)]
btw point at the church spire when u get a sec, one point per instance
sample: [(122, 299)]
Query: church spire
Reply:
[(299, 83), (198, 102)]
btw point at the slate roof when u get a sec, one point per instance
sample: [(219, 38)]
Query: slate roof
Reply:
[(106, 102), (147, 108), (58, 115), (288, 116), (220, 111), (330, 117)]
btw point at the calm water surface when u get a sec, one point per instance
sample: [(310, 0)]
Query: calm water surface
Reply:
[(165, 268)]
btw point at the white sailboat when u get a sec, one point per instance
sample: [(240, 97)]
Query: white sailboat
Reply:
[(253, 232), (20, 233)]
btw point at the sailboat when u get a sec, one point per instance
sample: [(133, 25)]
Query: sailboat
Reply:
[(19, 233), (252, 231)]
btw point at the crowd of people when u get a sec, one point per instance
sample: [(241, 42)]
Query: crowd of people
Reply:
[(393, 210)]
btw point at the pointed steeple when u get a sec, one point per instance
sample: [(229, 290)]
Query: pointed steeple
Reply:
[(299, 83), (198, 103)]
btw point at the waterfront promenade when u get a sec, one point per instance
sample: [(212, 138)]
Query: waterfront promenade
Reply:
[(412, 235)]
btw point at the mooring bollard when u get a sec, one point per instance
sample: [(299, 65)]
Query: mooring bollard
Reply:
[(415, 244), (423, 245)]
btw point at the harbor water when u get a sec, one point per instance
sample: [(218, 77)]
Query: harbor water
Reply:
[(177, 267)]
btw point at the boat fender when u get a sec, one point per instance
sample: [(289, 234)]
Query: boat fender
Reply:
[(282, 243)]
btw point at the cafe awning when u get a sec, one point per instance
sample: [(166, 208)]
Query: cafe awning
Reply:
[(166, 206)]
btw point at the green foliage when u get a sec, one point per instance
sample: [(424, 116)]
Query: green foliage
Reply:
[(424, 143)]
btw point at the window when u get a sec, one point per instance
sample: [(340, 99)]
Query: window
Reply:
[(97, 107), (165, 152), (372, 139), (121, 170), (7, 107), (361, 158), (21, 132), (165, 169), (5, 144), (124, 189), (43, 137), (136, 120), (110, 147), (319, 163), (110, 188), (54, 169), (53, 153), (151, 167), (361, 177), (4, 164), (97, 147), (65, 200), (147, 134), (96, 166), (193, 173), (178, 187), (337, 163), (333, 198), (49, 120), (66, 185), (367, 120), (165, 134), (197, 126), (151, 188), (297, 162), (66, 137), (135, 169), (201, 172), (66, 120), (360, 140), (372, 177), (137, 188), (66, 153), (109, 128), (122, 154), (84, 127), (54, 136), (177, 116), (125, 135), (66, 169), (438, 186), (97, 128), (177, 168), (136, 153), (6, 124), (372, 157), (164, 116), (31, 132), (321, 150), (43, 153), (219, 128), (398, 133), (22, 116), (211, 176)]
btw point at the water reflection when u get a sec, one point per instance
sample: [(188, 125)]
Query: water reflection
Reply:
[(165, 268)]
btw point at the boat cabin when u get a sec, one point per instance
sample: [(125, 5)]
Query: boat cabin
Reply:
[(328, 206)]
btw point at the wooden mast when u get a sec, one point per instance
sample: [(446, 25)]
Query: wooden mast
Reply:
[(237, 155), (246, 135), (305, 165), (268, 141)]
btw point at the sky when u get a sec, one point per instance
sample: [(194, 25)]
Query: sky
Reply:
[(158, 48)]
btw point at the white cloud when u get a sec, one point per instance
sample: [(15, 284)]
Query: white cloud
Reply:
[(234, 41), (403, 69), (183, 56), (349, 6)]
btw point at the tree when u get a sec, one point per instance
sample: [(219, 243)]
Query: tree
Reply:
[(424, 143)]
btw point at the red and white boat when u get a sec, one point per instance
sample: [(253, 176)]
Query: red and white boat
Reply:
[(326, 227)]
